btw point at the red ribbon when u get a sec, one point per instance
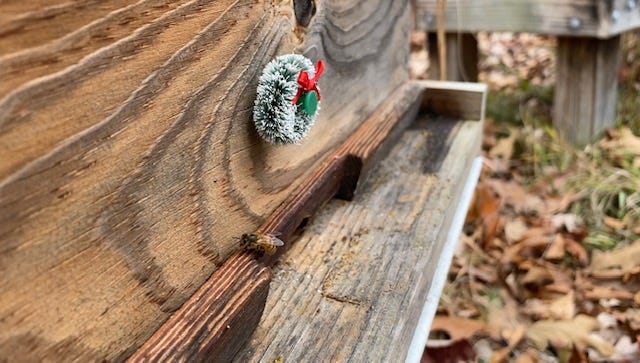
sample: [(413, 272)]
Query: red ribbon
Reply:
[(308, 84)]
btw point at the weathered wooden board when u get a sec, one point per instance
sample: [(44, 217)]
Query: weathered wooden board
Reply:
[(593, 18), (129, 163), (213, 318), (352, 287)]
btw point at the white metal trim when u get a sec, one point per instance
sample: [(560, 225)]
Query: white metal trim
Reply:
[(421, 334)]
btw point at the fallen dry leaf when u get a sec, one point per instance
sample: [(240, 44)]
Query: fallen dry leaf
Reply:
[(497, 166), (504, 147), (631, 317), (458, 328), (537, 276), (565, 333), (534, 244), (622, 142), (556, 250), (516, 196), (576, 250), (536, 308), (626, 350), (570, 222), (515, 230), (486, 208), (622, 261), (513, 337), (529, 356), (563, 308), (448, 351), (607, 292), (614, 223), (563, 280), (559, 204), (501, 316), (609, 329)]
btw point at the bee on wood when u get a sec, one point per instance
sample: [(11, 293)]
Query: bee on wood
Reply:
[(261, 243)]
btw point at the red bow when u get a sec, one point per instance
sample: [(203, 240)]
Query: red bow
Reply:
[(308, 84)]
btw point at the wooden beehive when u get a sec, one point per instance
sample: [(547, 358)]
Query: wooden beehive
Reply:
[(130, 165), (129, 162)]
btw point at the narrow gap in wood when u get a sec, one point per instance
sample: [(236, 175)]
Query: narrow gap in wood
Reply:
[(352, 168)]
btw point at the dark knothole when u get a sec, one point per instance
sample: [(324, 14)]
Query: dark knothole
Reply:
[(305, 10)]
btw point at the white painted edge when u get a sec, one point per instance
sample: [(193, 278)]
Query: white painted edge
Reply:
[(453, 85), (421, 335)]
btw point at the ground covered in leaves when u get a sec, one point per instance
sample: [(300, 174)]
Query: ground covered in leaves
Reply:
[(548, 266)]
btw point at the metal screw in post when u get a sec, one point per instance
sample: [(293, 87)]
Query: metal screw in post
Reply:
[(430, 19), (615, 16), (575, 23), (631, 4)]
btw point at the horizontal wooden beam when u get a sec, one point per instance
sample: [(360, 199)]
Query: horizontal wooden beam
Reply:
[(591, 18)]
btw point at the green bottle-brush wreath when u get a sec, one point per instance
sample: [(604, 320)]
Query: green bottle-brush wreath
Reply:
[(288, 100)]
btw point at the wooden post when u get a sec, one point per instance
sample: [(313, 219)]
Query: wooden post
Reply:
[(442, 43), (462, 57), (586, 86)]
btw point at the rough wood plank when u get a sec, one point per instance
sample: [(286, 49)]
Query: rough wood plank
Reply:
[(592, 18), (353, 286), (586, 87), (202, 329), (338, 174), (462, 100), (129, 162)]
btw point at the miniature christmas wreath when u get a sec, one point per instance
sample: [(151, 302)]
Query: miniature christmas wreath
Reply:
[(288, 99)]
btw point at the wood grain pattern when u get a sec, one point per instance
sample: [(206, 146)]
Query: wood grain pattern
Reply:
[(586, 87), (215, 327), (339, 174), (353, 285), (129, 163), (534, 16)]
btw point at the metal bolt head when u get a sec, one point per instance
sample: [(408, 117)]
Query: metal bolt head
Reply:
[(631, 4), (430, 19), (615, 16), (574, 23)]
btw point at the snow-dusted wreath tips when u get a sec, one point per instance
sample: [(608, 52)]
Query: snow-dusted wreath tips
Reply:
[(288, 99)]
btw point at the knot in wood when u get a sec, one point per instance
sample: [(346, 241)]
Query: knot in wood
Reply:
[(304, 10)]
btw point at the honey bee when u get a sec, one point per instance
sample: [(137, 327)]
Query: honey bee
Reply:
[(261, 243)]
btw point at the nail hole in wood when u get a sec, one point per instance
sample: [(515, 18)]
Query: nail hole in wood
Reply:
[(305, 10)]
